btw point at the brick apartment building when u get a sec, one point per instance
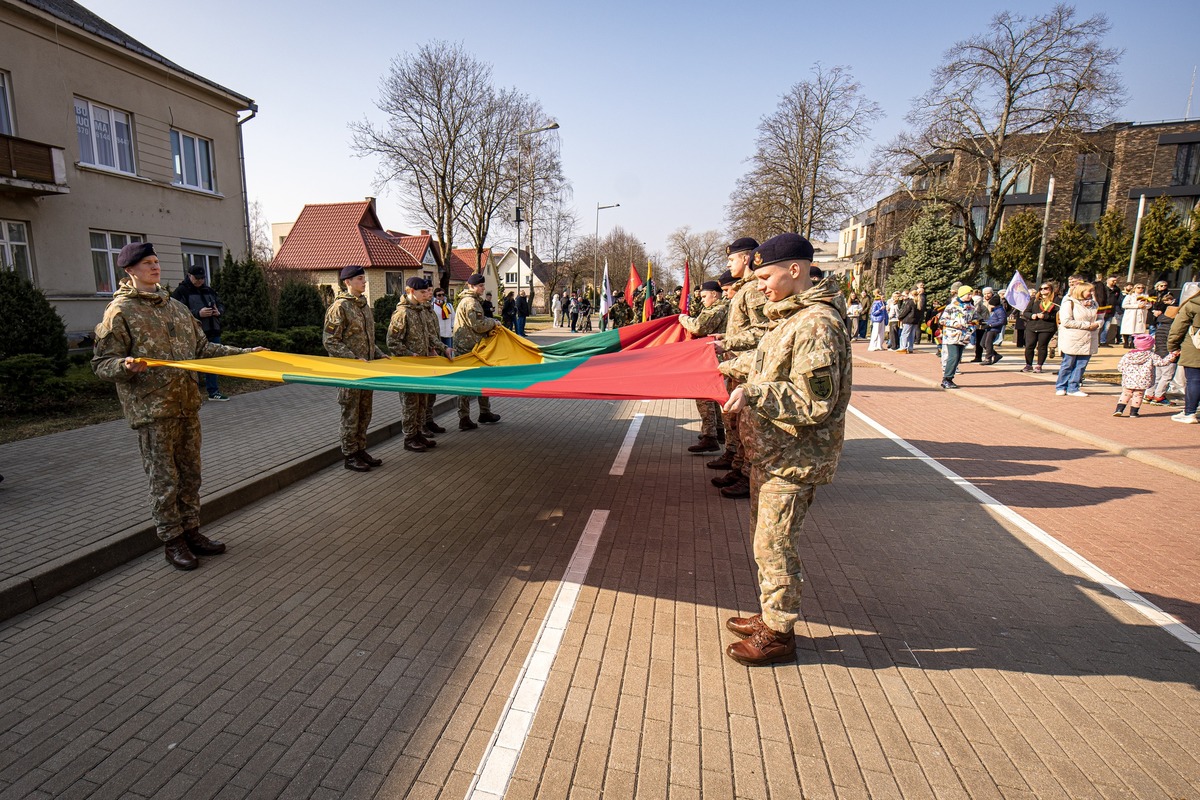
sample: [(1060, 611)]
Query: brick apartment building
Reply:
[(1117, 166)]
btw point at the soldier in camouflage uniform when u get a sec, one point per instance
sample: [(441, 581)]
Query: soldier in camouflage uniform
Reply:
[(412, 332), (710, 320), (161, 404), (470, 327), (620, 314), (746, 324), (795, 388), (350, 333)]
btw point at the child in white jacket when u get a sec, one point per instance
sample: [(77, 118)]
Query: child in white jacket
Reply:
[(1137, 373)]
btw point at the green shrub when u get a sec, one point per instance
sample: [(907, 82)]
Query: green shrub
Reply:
[(300, 306), (30, 381), (31, 325), (268, 339), (306, 341), (384, 308), (243, 289)]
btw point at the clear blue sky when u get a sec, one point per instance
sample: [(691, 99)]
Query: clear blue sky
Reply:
[(658, 102)]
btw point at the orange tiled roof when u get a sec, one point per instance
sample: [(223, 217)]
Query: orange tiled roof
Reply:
[(415, 244), (333, 235), (462, 262)]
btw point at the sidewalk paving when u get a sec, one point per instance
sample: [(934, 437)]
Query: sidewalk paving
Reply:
[(364, 632), (1153, 438)]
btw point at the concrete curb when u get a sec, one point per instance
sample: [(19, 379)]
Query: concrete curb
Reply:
[(23, 592), (1108, 445)]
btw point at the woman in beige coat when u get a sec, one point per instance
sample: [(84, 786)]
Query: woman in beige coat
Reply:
[(1183, 339), (1078, 338)]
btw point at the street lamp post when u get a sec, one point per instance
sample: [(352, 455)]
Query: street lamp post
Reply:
[(517, 217), (596, 253)]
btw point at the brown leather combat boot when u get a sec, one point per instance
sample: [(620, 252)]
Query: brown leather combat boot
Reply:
[(414, 444), (178, 554), (707, 444), (739, 488), (356, 464), (370, 460), (724, 462), (765, 646), (201, 545), (744, 626), (427, 441)]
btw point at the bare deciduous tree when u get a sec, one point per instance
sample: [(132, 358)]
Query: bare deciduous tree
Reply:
[(491, 184), (801, 177), (559, 229), (703, 252), (427, 145), (1001, 103)]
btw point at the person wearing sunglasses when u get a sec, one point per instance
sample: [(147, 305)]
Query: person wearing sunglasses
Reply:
[(1041, 323)]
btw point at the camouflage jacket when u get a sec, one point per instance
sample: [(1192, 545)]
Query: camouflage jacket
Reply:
[(747, 321), (470, 324), (662, 308), (350, 328), (709, 321), (797, 387), (620, 315), (152, 325), (413, 330)]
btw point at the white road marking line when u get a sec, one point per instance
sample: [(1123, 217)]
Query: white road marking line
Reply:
[(1131, 598), (618, 467), (500, 758)]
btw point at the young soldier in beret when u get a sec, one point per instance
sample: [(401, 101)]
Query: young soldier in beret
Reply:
[(350, 333), (620, 313), (709, 320), (745, 326), (161, 404), (791, 407), (470, 328), (412, 332)]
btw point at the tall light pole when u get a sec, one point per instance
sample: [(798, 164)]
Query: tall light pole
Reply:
[(517, 218), (596, 253)]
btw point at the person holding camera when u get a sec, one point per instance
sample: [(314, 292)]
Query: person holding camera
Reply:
[(195, 293)]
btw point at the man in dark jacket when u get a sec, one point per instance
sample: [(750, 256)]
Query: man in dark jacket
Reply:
[(910, 321), (523, 312), (195, 293)]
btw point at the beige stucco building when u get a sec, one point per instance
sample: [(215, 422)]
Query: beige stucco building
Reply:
[(104, 141)]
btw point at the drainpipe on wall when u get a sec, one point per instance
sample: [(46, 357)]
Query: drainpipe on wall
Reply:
[(253, 109)]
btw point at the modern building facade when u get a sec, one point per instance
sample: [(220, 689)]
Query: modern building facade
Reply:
[(102, 142), (1116, 167)]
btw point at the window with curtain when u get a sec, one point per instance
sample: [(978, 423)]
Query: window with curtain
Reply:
[(6, 116), (105, 136), (1187, 165), (14, 249), (193, 160), (106, 246)]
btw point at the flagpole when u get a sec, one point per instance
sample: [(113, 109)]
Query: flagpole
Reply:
[(596, 253)]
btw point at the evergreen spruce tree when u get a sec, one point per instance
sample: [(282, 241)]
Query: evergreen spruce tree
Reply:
[(1017, 247), (932, 248), (1190, 255), (243, 289), (35, 327), (1113, 242), (300, 306), (1164, 237), (1069, 251)]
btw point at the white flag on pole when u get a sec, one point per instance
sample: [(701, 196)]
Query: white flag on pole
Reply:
[(1017, 293), (606, 299)]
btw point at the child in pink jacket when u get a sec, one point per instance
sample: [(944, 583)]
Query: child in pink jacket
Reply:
[(1137, 373)]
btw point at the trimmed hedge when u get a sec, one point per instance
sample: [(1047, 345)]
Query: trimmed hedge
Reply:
[(303, 341), (31, 382), (31, 323)]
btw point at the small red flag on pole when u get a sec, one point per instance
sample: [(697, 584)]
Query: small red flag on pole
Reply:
[(632, 285), (685, 299)]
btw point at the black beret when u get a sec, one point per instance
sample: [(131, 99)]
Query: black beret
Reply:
[(351, 271), (198, 271), (726, 278), (134, 252), (784, 247), (816, 273), (416, 283), (710, 286), (741, 245), (475, 279)]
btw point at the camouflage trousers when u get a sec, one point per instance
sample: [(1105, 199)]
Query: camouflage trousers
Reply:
[(778, 508), (418, 408), (171, 457), (733, 443), (356, 417), (710, 411), (464, 406)]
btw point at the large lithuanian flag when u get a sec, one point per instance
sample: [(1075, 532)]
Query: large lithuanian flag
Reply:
[(649, 361)]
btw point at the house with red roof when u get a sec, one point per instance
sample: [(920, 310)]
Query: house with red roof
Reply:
[(329, 236)]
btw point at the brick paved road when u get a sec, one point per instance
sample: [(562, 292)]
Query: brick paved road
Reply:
[(364, 632)]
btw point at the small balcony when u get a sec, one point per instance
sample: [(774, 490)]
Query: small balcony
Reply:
[(31, 168)]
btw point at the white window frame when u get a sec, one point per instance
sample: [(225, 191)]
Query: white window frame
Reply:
[(512, 278), (10, 244), (183, 144), (113, 242), (89, 113), (7, 118), (202, 254)]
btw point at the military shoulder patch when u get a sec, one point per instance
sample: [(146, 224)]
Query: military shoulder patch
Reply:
[(820, 384)]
